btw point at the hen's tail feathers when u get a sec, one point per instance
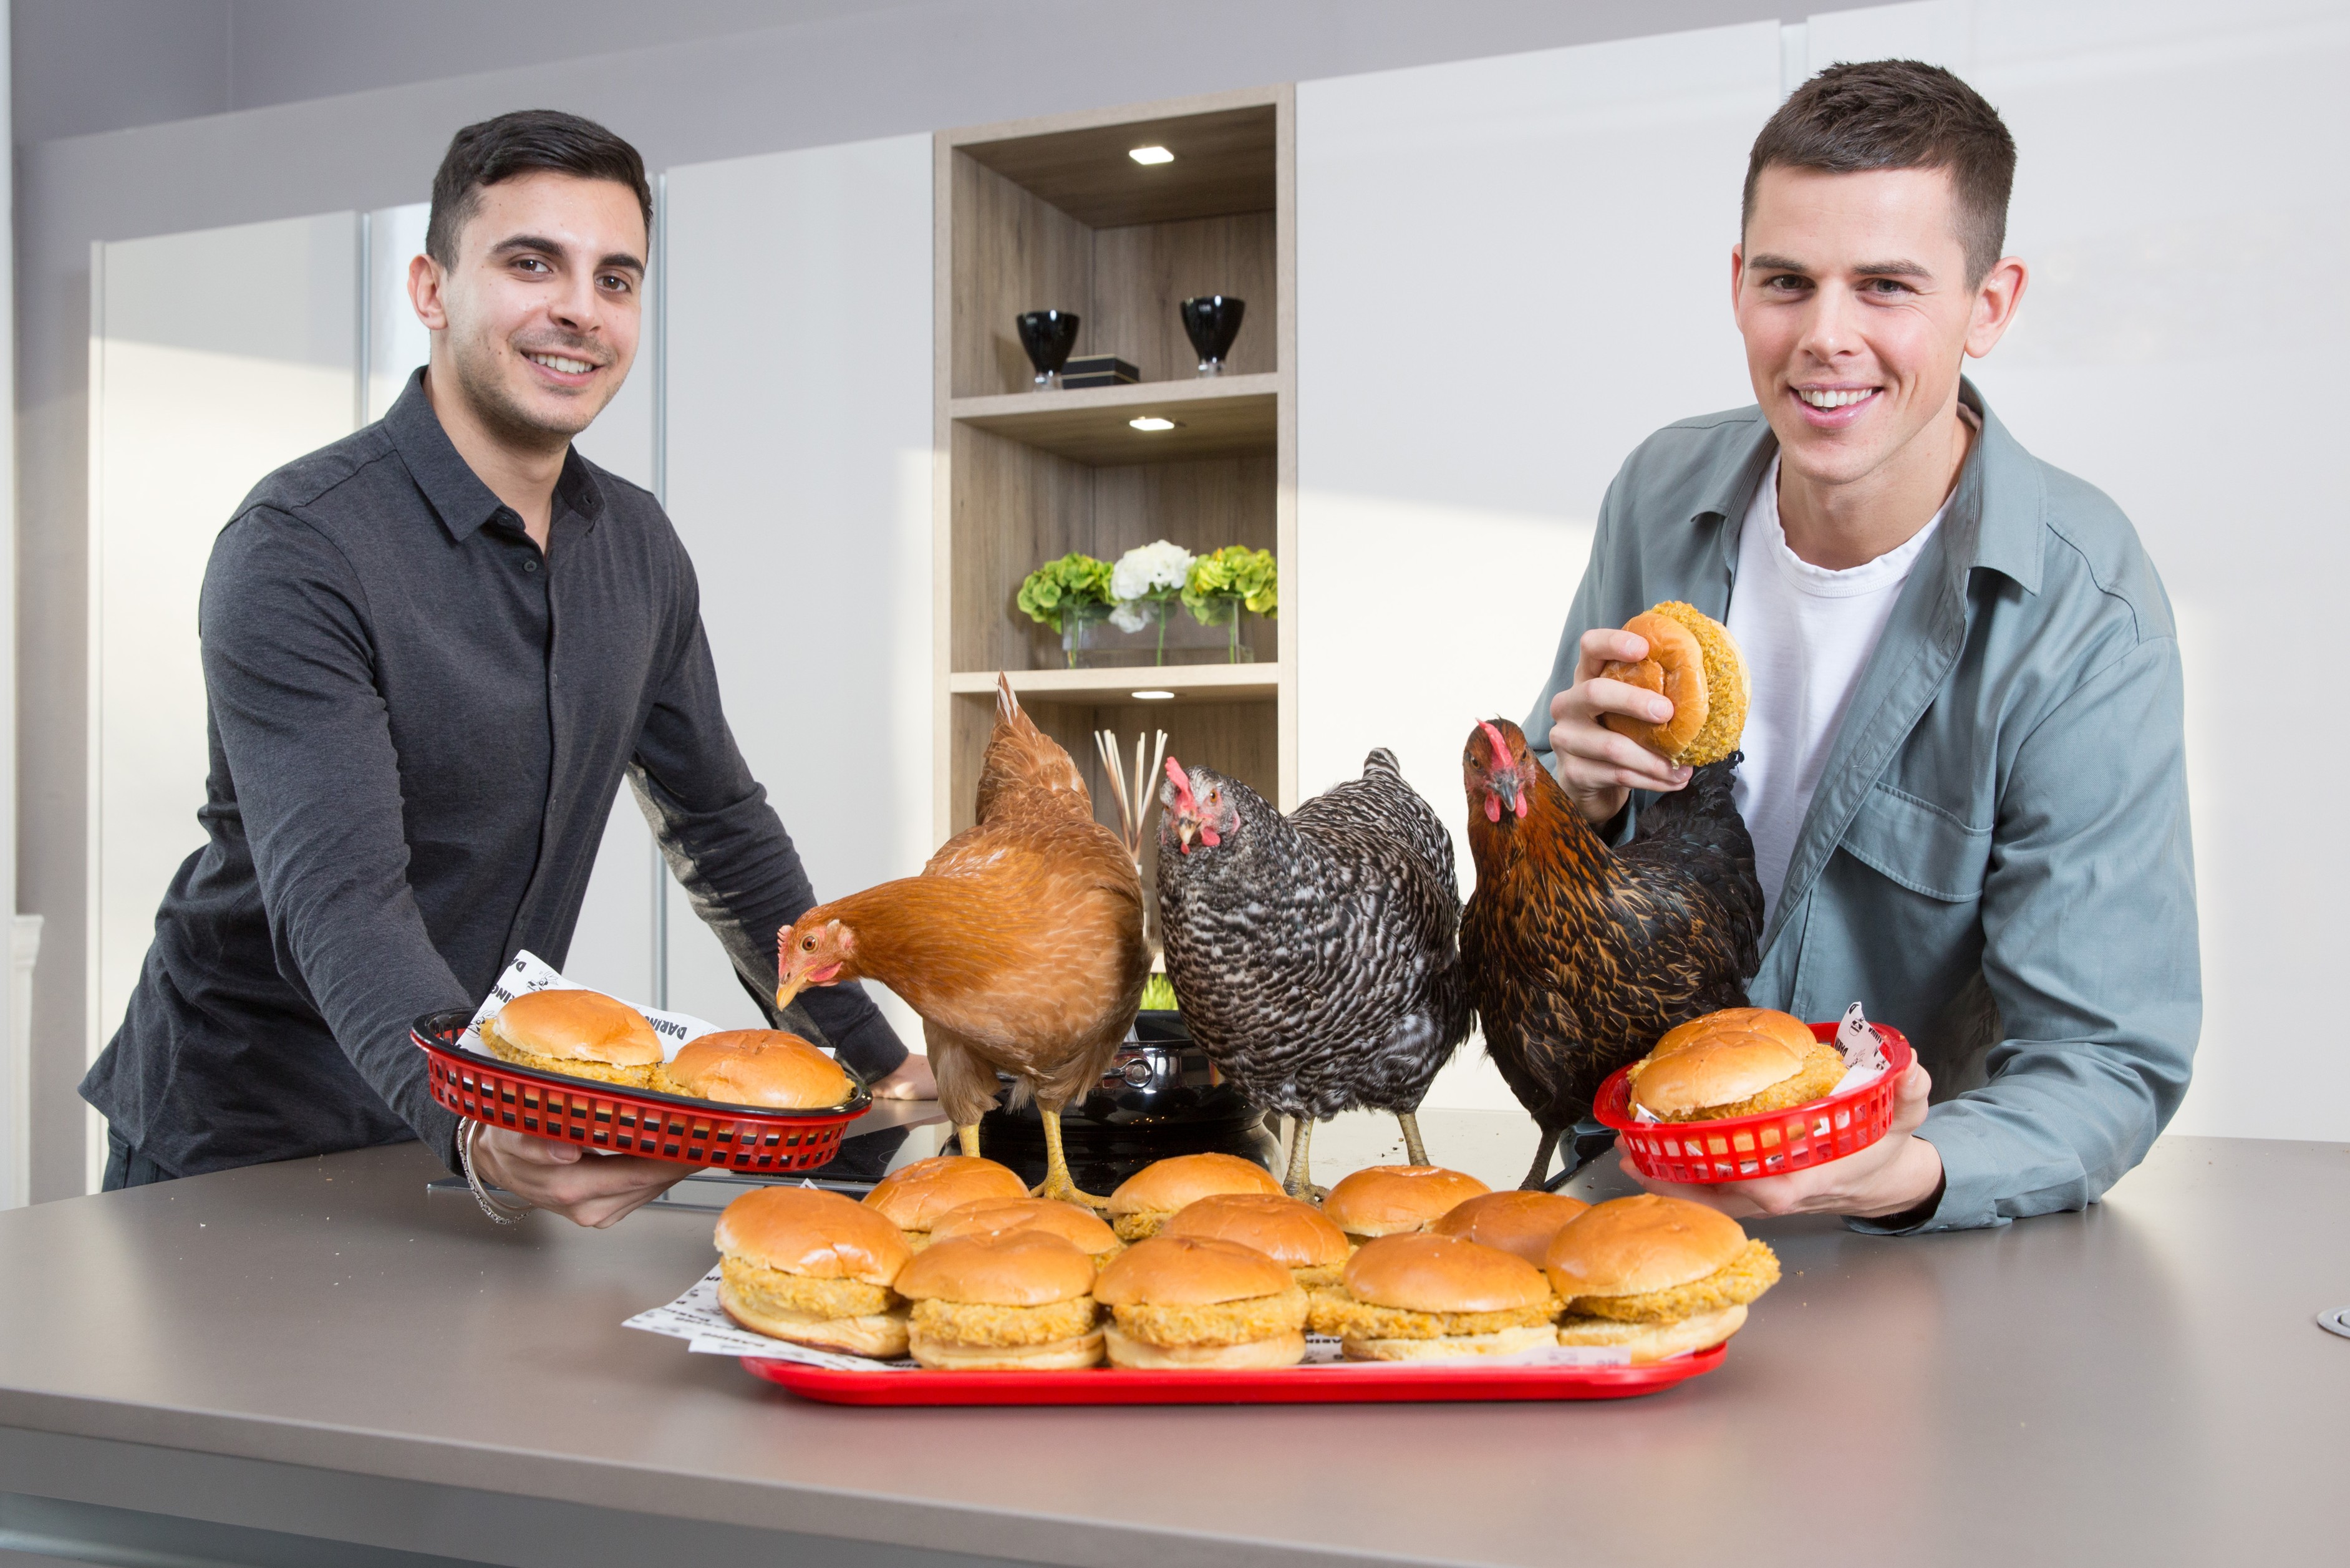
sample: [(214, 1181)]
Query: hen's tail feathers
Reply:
[(1007, 705), (1703, 810), (1382, 761)]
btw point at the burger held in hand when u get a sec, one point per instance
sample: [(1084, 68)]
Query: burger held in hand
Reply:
[(1656, 1276), (1148, 1198), (814, 1268), (1739, 1063), (914, 1197), (580, 1034), (1397, 1200), (763, 1067), (1004, 1300), (1694, 664), (1434, 1298), (1297, 1235), (1194, 1301)]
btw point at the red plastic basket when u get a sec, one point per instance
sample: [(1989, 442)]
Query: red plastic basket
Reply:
[(1281, 1386), (624, 1120), (1741, 1148)]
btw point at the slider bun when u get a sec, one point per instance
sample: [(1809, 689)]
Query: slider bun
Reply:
[(919, 1193), (758, 1067), (1293, 1234), (1081, 1227), (1719, 1069), (1168, 1185), (1281, 1350), (1388, 1200), (1783, 1027), (1655, 1341), (1003, 1268), (1695, 664), (1188, 1271), (880, 1334), (1453, 1347), (805, 1231), (578, 1026), (1055, 1355), (1628, 1246), (1443, 1274), (1513, 1222)]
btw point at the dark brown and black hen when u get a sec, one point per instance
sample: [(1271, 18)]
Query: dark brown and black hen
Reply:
[(1315, 956), (1579, 956)]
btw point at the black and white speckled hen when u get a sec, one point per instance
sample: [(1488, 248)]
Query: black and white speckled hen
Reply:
[(1578, 956), (1315, 956)]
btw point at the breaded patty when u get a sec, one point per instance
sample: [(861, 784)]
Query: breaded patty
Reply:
[(772, 1291), (1336, 1312), (1822, 1065), (970, 1322), (1241, 1322), (1734, 1284), (1141, 1227), (601, 1072), (1319, 1276)]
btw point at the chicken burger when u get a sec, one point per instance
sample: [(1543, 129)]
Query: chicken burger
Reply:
[(1005, 1300), (765, 1067), (992, 1216), (1659, 1276), (580, 1034), (814, 1268), (913, 1197), (1195, 1301), (1297, 1236), (1734, 1072), (1394, 1200), (1435, 1298), (1146, 1198), (1514, 1221)]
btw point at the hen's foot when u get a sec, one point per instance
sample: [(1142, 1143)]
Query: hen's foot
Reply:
[(1299, 1182), (1058, 1183), (1066, 1190), (1415, 1151), (967, 1138)]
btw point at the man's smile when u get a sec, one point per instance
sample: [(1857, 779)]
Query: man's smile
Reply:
[(562, 364), (1833, 407)]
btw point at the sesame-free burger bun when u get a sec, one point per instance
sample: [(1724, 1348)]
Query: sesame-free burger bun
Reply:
[(1513, 1222), (1392, 1199), (915, 1195), (757, 1067), (1279, 1350), (1144, 1201), (583, 1033), (989, 1216), (1655, 1341), (1443, 1274), (1735, 1072), (1783, 1027), (1197, 1301), (1005, 1300), (1004, 1268), (1190, 1271), (814, 1268), (1693, 662), (1293, 1234), (1632, 1246)]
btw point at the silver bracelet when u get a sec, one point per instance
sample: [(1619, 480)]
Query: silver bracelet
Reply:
[(490, 1206)]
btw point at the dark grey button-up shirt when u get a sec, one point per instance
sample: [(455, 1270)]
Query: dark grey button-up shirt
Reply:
[(418, 724)]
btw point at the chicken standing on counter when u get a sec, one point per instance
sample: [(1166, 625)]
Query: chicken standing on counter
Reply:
[(1579, 956), (1315, 955), (1020, 944)]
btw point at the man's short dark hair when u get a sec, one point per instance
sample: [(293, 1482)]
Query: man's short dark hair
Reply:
[(1897, 114), (525, 142)]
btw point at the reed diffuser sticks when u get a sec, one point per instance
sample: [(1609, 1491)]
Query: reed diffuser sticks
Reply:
[(1133, 799)]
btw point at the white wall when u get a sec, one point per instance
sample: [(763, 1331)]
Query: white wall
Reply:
[(216, 356), (1510, 271), (2183, 197), (799, 474)]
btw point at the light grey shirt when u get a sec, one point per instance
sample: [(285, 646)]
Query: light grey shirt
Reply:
[(1996, 859)]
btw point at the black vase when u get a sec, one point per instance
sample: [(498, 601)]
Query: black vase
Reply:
[(1048, 335), (1212, 322)]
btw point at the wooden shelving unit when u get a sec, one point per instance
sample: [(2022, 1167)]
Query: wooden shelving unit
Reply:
[(1053, 215)]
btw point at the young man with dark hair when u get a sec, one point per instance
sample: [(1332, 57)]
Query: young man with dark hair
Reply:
[(1964, 761), (431, 652)]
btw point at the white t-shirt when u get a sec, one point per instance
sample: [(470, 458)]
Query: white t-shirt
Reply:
[(1806, 633)]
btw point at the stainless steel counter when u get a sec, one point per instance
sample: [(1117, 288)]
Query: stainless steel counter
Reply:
[(317, 1363)]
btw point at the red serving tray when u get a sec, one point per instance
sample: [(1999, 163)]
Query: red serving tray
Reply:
[(1454, 1381), (620, 1119), (1742, 1148)]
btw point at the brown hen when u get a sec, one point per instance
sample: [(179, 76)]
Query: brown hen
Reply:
[(1020, 944)]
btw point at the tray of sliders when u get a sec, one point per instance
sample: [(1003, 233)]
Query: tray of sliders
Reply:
[(563, 1062), (1750, 1092), (1206, 1285)]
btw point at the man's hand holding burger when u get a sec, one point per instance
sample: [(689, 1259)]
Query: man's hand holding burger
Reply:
[(1599, 767), (562, 1178)]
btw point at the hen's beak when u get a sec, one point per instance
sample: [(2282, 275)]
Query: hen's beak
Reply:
[(1185, 831), (793, 983)]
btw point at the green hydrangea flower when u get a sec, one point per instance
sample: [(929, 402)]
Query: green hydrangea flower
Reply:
[(1234, 572), (1073, 580)]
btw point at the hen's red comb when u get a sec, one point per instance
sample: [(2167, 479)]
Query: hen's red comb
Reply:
[(1182, 782), (1501, 755)]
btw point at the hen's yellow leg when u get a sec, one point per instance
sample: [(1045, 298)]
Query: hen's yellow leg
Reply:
[(1057, 1182), (969, 1138), (1299, 1182), (1415, 1151)]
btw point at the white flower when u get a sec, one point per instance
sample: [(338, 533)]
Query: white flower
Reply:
[(1149, 569), (1129, 618)]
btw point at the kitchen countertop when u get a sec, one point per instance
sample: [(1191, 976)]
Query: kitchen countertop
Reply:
[(322, 1350)]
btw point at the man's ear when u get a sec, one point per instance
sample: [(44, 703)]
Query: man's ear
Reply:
[(425, 280), (1997, 298), (1737, 275)]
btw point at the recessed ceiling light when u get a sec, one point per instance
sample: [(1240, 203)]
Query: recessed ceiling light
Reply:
[(1151, 155), (1154, 696), (1151, 422)]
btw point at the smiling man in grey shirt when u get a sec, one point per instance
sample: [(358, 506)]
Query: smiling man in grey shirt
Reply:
[(432, 651), (1992, 852)]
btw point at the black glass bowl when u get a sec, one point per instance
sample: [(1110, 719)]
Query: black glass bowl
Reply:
[(1211, 321), (1048, 335)]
